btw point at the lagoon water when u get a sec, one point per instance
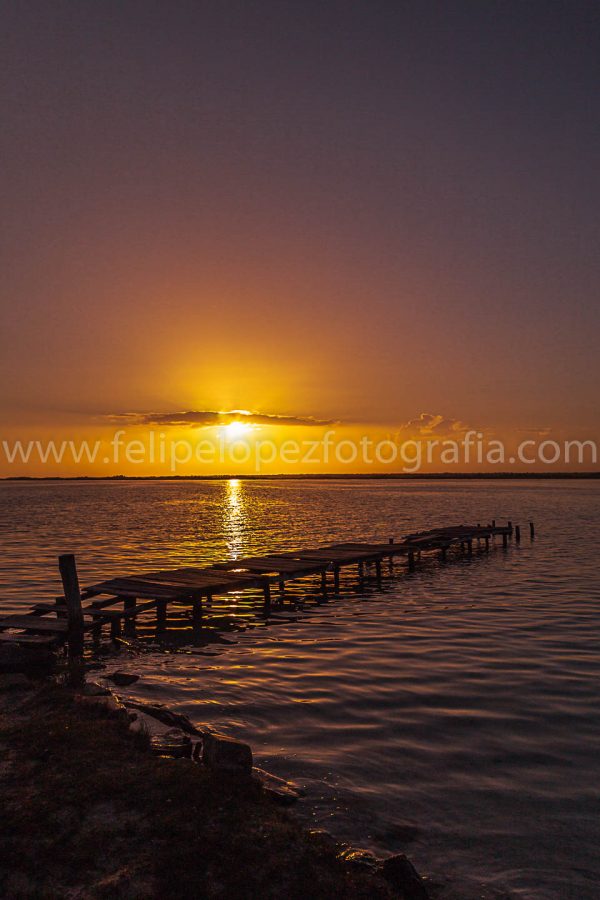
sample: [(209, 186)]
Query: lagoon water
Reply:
[(458, 707)]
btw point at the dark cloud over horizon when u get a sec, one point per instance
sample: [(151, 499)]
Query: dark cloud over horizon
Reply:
[(195, 418)]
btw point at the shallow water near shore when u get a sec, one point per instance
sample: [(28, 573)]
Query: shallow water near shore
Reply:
[(457, 707)]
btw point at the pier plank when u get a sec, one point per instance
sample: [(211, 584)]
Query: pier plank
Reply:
[(35, 623)]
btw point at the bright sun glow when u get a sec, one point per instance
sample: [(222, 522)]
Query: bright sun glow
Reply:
[(236, 429)]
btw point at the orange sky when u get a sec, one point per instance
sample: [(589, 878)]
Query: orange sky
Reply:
[(323, 218)]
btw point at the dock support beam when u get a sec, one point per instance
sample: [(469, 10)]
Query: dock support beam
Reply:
[(267, 598), (324, 583), (518, 534), (531, 530), (411, 561), (197, 613), (70, 580), (336, 579), (129, 621), (161, 615)]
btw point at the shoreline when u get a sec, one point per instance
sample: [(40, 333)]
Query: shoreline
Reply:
[(94, 807)]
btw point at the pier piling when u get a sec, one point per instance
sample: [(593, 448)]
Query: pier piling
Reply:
[(70, 581)]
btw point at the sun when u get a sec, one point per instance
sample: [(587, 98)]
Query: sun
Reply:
[(236, 429)]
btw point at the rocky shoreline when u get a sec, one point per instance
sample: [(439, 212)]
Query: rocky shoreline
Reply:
[(83, 741)]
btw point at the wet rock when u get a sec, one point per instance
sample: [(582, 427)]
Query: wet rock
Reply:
[(123, 679), (281, 791), (172, 743), (93, 689), (14, 681), (359, 859), (401, 873), (164, 715), (225, 753), (143, 723), (324, 842), (109, 704)]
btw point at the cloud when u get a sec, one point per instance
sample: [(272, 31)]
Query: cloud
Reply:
[(202, 418), (429, 425)]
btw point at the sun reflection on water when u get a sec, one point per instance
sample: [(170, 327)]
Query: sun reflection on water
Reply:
[(234, 517)]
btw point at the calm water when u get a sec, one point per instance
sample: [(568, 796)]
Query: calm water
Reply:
[(462, 700)]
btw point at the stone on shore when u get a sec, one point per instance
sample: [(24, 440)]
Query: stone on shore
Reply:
[(166, 716), (226, 754), (109, 703), (402, 875), (285, 792), (172, 743), (93, 689), (360, 859), (123, 679)]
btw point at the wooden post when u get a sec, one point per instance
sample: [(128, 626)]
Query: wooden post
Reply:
[(282, 589), (493, 523), (531, 530), (470, 548), (161, 615), (324, 582), (518, 534), (505, 540), (361, 571), (267, 597), (70, 580), (411, 561), (129, 622), (487, 543), (378, 569), (510, 528), (336, 579), (197, 612)]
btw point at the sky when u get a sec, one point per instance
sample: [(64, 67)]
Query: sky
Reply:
[(379, 218)]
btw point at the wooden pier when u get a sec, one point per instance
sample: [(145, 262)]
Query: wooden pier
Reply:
[(117, 602)]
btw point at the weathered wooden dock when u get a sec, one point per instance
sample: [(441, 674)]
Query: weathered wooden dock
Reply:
[(118, 602)]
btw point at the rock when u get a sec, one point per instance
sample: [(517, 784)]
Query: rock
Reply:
[(324, 842), (401, 873), (93, 689), (279, 790), (110, 703), (164, 715), (359, 859), (225, 753), (123, 679), (14, 681), (172, 743)]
